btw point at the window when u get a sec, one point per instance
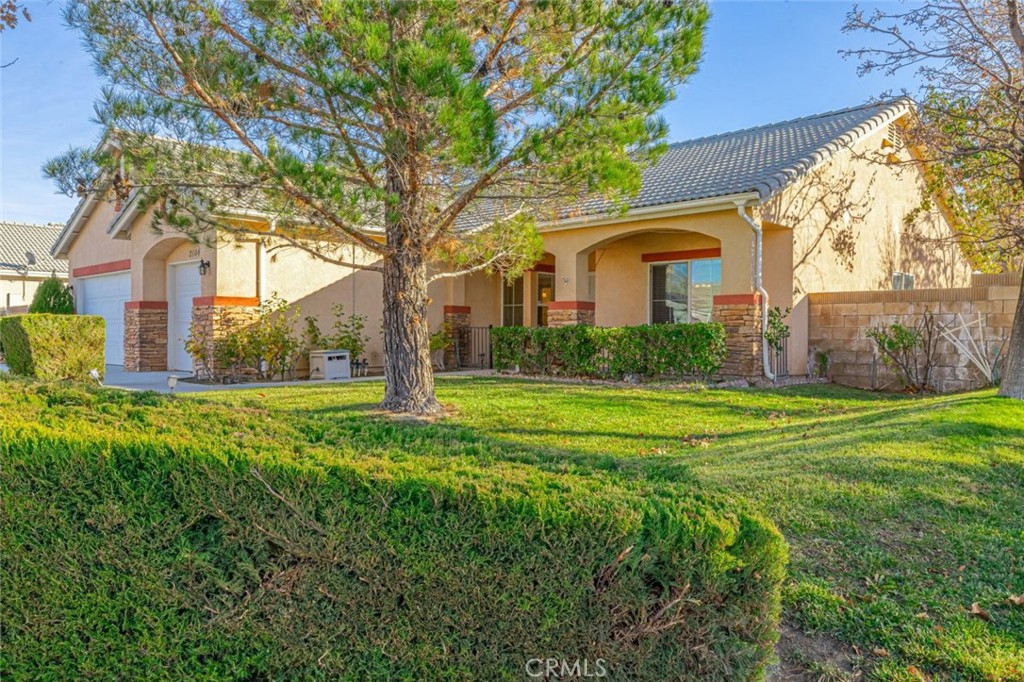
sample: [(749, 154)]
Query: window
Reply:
[(685, 291), (545, 294), (902, 281), (512, 303)]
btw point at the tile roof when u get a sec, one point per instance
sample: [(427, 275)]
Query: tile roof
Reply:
[(17, 238), (763, 159)]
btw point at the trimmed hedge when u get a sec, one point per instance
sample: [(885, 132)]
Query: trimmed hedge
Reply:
[(134, 551), (650, 350), (54, 347)]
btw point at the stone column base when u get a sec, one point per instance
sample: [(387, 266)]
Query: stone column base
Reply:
[(566, 313), (145, 336), (456, 317), (216, 316), (740, 314)]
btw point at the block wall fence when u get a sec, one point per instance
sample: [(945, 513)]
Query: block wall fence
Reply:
[(838, 323)]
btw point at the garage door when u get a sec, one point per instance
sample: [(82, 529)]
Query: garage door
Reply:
[(182, 286), (105, 296)]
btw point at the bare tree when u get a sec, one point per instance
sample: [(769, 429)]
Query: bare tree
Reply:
[(969, 134)]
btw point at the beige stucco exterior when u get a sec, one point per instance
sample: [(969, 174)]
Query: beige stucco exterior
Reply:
[(842, 226)]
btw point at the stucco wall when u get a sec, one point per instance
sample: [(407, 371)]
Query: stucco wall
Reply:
[(838, 322), (850, 224), (622, 277)]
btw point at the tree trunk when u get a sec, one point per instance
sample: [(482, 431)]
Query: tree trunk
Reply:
[(408, 374), (1012, 385)]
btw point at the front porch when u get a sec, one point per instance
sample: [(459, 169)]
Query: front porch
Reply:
[(675, 270)]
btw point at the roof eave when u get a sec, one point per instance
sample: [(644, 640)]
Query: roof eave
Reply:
[(725, 202)]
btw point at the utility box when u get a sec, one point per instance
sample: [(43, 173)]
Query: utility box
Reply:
[(330, 364)]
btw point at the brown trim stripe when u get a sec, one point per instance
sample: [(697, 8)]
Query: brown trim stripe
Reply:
[(239, 301), (145, 305), (571, 305), (102, 268), (457, 309), (692, 254), (737, 299)]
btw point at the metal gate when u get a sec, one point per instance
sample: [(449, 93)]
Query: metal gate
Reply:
[(473, 347)]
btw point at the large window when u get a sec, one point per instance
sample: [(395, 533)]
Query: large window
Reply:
[(512, 303), (684, 291)]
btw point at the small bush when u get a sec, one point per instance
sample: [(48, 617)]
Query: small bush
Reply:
[(347, 333), (909, 350), (148, 548), (53, 296), (266, 348), (54, 347), (652, 350)]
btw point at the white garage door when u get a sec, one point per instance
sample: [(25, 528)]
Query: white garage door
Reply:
[(182, 286), (105, 295)]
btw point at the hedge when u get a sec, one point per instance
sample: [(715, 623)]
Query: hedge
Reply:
[(650, 350), (133, 551), (53, 347)]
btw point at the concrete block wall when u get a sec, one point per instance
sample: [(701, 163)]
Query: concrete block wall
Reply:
[(838, 323)]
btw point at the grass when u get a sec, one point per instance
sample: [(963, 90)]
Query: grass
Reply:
[(901, 512)]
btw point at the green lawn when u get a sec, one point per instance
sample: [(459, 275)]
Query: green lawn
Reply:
[(901, 512)]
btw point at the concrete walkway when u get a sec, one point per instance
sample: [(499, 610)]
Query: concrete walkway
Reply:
[(116, 377)]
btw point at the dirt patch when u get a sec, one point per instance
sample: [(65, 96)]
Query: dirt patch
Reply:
[(813, 658)]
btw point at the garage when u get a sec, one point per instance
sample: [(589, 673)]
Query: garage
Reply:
[(183, 284), (105, 295)]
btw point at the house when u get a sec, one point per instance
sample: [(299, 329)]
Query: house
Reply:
[(25, 261), (723, 228)]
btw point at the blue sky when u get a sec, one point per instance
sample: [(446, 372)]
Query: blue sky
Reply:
[(763, 61)]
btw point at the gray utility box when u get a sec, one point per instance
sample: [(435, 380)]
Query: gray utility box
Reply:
[(330, 364)]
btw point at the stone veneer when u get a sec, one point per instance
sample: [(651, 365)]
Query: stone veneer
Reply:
[(216, 315), (567, 313), (740, 314), (457, 319), (838, 323), (145, 336)]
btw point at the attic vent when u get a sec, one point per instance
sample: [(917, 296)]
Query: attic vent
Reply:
[(893, 138)]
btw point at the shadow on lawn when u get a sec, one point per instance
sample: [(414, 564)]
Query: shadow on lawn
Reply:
[(897, 504)]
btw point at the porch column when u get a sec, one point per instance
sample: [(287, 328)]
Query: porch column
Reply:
[(456, 317), (740, 314), (571, 304), (738, 306), (145, 336), (215, 316)]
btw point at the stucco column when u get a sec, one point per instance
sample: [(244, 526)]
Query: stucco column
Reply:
[(571, 304), (145, 336)]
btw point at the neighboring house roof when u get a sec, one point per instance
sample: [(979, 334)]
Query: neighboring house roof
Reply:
[(18, 238)]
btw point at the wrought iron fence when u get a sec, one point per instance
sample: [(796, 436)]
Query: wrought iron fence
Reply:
[(778, 359), (473, 347)]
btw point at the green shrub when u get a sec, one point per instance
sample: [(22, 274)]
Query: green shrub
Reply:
[(652, 350), (910, 351), (54, 347), (134, 551), (53, 296), (347, 333), (266, 347)]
